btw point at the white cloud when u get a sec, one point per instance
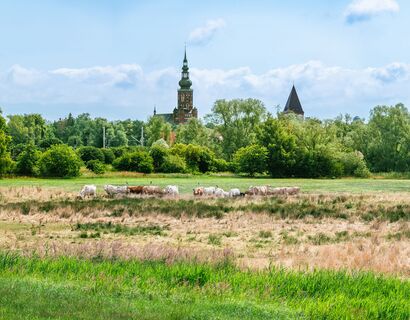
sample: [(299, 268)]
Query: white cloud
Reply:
[(360, 10), (125, 91), (204, 34)]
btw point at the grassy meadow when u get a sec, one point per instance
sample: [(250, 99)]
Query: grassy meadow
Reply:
[(187, 182), (338, 250)]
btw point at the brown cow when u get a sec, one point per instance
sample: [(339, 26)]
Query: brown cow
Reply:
[(136, 189), (152, 190)]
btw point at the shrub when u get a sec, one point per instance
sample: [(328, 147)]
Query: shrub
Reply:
[(158, 153), (221, 165), (138, 161), (27, 161), (96, 166), (109, 155), (48, 142), (90, 153), (173, 164), (251, 159), (60, 161), (354, 164), (199, 159)]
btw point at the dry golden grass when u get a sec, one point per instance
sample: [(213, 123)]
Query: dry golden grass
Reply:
[(252, 240)]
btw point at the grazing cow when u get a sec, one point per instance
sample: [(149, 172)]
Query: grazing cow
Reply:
[(114, 190), (152, 190), (136, 189), (220, 193), (205, 191), (171, 191), (258, 191), (198, 191), (210, 191), (88, 191), (275, 191), (292, 190), (233, 193)]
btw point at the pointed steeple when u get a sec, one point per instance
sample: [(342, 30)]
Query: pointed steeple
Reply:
[(155, 110), (185, 83), (293, 104)]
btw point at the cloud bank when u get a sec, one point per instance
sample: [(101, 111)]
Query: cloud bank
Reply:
[(204, 34), (123, 91), (361, 10)]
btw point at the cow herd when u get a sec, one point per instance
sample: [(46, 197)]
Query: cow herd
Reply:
[(173, 191)]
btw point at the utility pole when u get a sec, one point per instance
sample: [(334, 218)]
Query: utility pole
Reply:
[(104, 137), (142, 136)]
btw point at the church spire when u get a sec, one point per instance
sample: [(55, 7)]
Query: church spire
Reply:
[(185, 83), (293, 104)]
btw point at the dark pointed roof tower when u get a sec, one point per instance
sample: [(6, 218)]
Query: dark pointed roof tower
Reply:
[(293, 104), (185, 83)]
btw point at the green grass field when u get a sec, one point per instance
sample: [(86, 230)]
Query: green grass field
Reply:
[(69, 288), (187, 183)]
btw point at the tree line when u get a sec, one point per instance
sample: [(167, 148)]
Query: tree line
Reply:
[(237, 136)]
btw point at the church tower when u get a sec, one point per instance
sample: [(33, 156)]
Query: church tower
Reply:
[(293, 105), (185, 109)]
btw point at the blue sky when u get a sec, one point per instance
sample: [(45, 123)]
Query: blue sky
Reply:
[(118, 59)]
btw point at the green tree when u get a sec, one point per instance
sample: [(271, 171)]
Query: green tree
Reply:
[(236, 121), (5, 159), (388, 149), (138, 161), (275, 136), (90, 153), (251, 159), (157, 129), (60, 161), (28, 161)]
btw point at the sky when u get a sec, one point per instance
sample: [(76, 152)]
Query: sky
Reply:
[(120, 58)]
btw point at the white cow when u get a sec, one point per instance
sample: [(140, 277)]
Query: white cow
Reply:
[(209, 191), (171, 191), (233, 193), (114, 190), (258, 191), (220, 193), (88, 191)]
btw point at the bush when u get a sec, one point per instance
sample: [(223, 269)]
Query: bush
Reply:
[(90, 153), (60, 161), (199, 159), (251, 159), (221, 165), (354, 164), (48, 142), (96, 166), (158, 153), (173, 164), (27, 161), (109, 155), (138, 161)]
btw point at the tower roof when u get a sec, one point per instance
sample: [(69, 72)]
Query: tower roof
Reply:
[(185, 83), (293, 104)]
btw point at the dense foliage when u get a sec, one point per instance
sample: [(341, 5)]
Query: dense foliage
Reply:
[(231, 138), (60, 161)]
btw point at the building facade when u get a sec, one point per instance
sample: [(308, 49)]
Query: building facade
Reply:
[(185, 109)]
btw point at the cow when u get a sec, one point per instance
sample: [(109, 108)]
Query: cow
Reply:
[(258, 191), (88, 191), (233, 193), (115, 190), (171, 191), (291, 190), (221, 193), (152, 190), (135, 189), (207, 191), (275, 191)]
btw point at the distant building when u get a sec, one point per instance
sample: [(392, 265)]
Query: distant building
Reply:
[(293, 105), (185, 109)]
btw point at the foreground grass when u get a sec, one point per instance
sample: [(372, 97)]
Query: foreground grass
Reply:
[(70, 288), (187, 182)]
